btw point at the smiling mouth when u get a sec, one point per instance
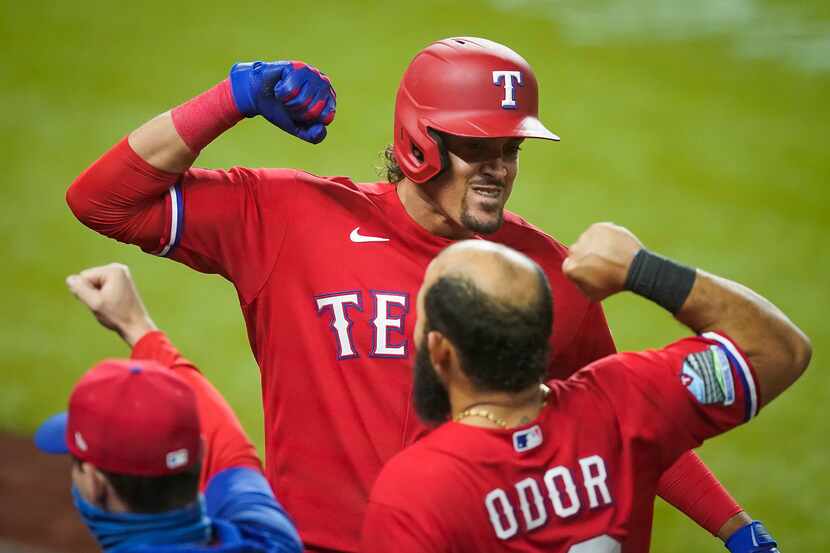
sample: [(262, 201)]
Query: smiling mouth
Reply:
[(492, 191)]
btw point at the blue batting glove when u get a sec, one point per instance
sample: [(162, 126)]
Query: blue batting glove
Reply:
[(752, 538), (290, 94)]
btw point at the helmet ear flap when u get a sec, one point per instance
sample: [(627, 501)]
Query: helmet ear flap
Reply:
[(420, 155), (442, 151)]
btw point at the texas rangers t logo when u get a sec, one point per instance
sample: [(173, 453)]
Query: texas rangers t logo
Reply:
[(506, 78)]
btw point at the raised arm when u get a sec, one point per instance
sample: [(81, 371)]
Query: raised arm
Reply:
[(110, 293), (235, 489), (608, 259), (127, 194), (292, 95)]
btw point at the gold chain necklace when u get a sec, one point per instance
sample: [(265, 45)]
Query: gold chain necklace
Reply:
[(484, 413)]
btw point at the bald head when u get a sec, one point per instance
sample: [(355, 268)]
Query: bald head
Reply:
[(493, 306), (500, 273)]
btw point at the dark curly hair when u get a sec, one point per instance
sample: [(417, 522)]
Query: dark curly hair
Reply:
[(390, 169)]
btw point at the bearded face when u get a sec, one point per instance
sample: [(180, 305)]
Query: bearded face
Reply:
[(432, 402)]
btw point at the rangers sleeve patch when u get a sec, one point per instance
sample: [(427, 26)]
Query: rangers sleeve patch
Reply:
[(708, 377)]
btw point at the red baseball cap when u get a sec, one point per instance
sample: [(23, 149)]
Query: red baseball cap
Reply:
[(128, 417)]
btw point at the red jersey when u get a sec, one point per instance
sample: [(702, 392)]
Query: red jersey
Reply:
[(572, 480), (327, 272), (333, 266)]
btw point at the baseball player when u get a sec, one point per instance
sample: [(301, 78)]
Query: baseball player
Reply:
[(327, 269), (148, 434), (567, 467)]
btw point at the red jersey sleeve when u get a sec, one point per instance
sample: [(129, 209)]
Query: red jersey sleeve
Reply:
[(124, 197), (225, 222), (226, 444), (230, 222), (681, 395)]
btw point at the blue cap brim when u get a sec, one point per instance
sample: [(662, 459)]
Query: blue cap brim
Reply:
[(51, 436)]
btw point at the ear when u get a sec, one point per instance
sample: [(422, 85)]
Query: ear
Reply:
[(442, 354), (105, 495), (89, 482), (100, 490)]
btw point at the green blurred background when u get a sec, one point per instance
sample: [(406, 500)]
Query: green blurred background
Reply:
[(700, 125)]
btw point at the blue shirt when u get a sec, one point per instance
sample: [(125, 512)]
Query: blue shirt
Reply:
[(245, 518)]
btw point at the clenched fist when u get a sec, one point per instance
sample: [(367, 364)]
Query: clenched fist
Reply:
[(292, 95), (598, 262), (110, 294)]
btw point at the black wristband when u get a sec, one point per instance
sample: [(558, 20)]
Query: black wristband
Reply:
[(661, 280)]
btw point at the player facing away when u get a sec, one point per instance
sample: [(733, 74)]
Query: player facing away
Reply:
[(569, 467), (327, 269), (148, 433)]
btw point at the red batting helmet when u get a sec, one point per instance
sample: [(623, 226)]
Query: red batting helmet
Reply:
[(464, 86)]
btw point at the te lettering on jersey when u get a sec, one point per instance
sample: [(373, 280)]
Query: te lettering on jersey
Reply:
[(388, 321), (560, 497)]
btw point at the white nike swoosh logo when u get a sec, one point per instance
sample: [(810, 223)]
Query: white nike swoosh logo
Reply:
[(355, 236)]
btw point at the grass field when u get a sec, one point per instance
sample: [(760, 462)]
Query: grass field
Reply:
[(700, 125)]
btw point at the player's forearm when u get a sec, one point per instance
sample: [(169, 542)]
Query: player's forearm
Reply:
[(136, 329), (173, 140), (778, 350), (692, 488), (159, 144), (607, 259)]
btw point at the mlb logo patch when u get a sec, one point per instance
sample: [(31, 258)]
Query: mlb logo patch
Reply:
[(525, 440), (176, 459)]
